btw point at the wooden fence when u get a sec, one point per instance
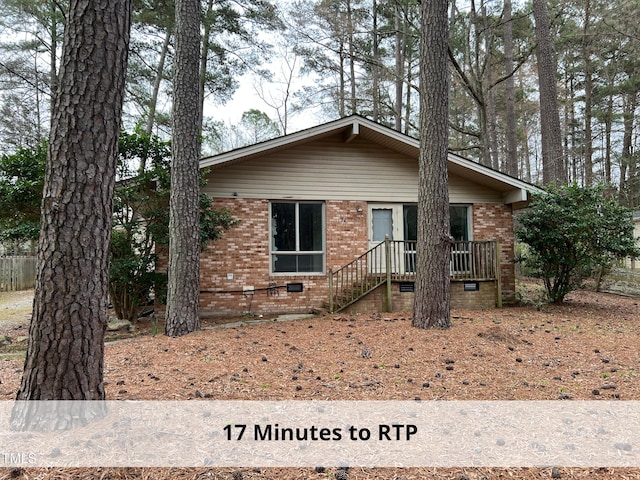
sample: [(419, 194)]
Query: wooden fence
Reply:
[(17, 273), (622, 281)]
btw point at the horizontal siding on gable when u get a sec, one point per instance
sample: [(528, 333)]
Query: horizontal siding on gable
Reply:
[(333, 170)]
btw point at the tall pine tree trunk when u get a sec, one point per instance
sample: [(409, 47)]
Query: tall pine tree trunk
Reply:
[(525, 167), (204, 57), (432, 294), (375, 68), (66, 335), (399, 73), (342, 93), (626, 155), (153, 101), (510, 100), (53, 54), (352, 61), (183, 289), (553, 169), (571, 126), (492, 120), (409, 96), (588, 96), (608, 125)]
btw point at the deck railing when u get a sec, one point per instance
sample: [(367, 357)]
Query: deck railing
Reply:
[(395, 260), (474, 260)]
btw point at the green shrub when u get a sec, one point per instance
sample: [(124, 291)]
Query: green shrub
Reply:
[(141, 222), (570, 231)]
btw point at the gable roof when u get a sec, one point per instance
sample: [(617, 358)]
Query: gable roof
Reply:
[(514, 191)]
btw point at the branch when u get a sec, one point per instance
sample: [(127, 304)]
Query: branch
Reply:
[(471, 133), (523, 59), (464, 78)]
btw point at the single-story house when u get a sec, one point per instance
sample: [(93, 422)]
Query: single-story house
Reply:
[(315, 208)]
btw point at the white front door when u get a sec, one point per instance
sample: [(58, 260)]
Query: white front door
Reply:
[(400, 222), (385, 220)]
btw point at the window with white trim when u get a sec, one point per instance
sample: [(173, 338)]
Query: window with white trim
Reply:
[(297, 237), (459, 222)]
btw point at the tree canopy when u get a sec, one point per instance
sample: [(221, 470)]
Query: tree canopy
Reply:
[(328, 58)]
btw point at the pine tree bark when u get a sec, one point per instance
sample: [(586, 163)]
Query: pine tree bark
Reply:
[(432, 288), (510, 100), (588, 95), (182, 315), (66, 336), (553, 168), (400, 60), (375, 68)]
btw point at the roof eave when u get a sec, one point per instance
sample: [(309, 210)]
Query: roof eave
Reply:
[(352, 123), (515, 191)]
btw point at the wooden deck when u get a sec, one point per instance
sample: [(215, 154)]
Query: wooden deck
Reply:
[(395, 261)]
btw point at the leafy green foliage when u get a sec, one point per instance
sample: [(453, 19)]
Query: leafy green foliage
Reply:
[(139, 214), (570, 231), (141, 222), (21, 182)]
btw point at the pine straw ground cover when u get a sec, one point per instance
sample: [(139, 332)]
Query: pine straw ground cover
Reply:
[(587, 349)]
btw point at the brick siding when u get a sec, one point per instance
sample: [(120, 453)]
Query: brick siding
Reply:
[(241, 258), (495, 222), (243, 252), (375, 301)]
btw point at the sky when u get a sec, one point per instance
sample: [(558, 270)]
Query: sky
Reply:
[(246, 98)]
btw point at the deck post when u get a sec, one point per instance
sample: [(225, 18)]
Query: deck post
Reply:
[(331, 290), (498, 276), (387, 250)]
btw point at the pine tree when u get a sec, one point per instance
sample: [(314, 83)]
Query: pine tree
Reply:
[(183, 288), (66, 336), (432, 296)]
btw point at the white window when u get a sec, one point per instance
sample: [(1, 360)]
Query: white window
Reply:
[(297, 237), (459, 221)]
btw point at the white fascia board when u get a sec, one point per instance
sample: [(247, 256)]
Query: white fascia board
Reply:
[(519, 185), (279, 142), (515, 196)]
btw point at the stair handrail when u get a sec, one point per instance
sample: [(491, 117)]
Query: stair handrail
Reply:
[(470, 260), (362, 274)]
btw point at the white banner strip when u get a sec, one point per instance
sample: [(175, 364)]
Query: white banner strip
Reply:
[(320, 433)]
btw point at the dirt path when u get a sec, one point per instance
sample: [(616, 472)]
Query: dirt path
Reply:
[(15, 312)]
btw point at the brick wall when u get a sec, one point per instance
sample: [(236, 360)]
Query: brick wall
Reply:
[(483, 298), (495, 222), (241, 258), (244, 253), (347, 236)]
